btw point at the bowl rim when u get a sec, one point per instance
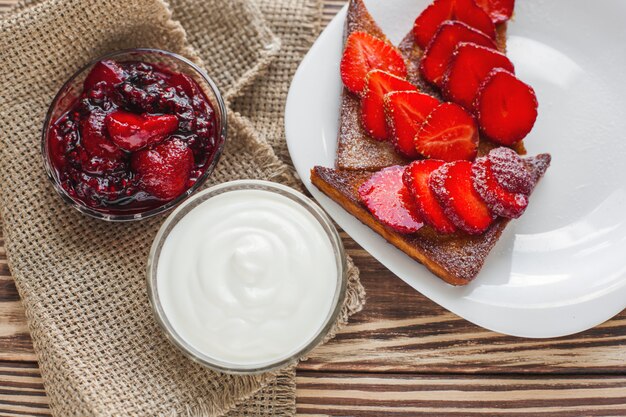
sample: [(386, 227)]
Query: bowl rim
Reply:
[(121, 217), (199, 198)]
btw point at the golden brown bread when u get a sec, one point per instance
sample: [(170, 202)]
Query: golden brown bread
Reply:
[(355, 148), (455, 258)]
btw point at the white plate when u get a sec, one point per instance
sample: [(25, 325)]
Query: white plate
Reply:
[(561, 268)]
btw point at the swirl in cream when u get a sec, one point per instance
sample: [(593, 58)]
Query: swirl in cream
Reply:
[(247, 277)]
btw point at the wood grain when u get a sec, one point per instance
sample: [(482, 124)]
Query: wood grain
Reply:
[(21, 390), (402, 356), (430, 395)]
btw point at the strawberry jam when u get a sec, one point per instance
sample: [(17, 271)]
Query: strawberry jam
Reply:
[(139, 135)]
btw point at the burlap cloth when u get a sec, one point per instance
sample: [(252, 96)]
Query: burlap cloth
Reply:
[(82, 280)]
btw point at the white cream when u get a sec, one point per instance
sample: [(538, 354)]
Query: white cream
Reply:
[(247, 277)]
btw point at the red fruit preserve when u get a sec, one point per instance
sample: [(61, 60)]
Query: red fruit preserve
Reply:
[(139, 135)]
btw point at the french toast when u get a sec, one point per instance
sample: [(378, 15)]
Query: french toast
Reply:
[(356, 150), (456, 258)]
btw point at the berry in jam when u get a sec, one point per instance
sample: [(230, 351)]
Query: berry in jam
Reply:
[(139, 135)]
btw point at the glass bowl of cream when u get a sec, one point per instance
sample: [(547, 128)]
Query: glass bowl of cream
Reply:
[(247, 276)]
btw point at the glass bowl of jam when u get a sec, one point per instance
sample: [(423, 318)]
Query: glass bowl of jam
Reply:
[(133, 133)]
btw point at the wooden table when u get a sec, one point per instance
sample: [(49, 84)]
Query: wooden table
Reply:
[(402, 355)]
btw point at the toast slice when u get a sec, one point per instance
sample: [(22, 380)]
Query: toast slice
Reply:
[(356, 150), (455, 258)]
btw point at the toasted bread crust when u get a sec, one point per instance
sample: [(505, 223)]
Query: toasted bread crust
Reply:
[(455, 258), (359, 19)]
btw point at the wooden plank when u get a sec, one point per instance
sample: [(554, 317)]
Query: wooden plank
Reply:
[(335, 394), (428, 395), (21, 390), (15, 343), (5, 5)]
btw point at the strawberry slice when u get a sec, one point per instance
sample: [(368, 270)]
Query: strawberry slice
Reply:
[(387, 198), (94, 138), (415, 178), (500, 201), (164, 170), (510, 171), (377, 84), (506, 107), (108, 71), (469, 67), (449, 133), (437, 56), (364, 53), (465, 11), (185, 83), (453, 187), (132, 131), (405, 111), (498, 10)]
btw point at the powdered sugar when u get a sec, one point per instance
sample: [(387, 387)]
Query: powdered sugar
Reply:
[(538, 166), (437, 181), (510, 171), (355, 149), (499, 200), (386, 197)]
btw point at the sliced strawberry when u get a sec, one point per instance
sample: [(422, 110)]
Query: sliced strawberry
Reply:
[(405, 111), (510, 171), (164, 170), (498, 10), (185, 83), (453, 186), (500, 201), (94, 137), (465, 11), (387, 198), (506, 107), (377, 84), (437, 56), (364, 53), (132, 131), (449, 133), (415, 178), (469, 67), (108, 71)]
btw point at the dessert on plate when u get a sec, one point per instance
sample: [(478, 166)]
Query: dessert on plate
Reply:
[(431, 134)]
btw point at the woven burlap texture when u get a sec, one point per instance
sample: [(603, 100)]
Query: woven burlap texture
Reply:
[(296, 39), (82, 280)]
